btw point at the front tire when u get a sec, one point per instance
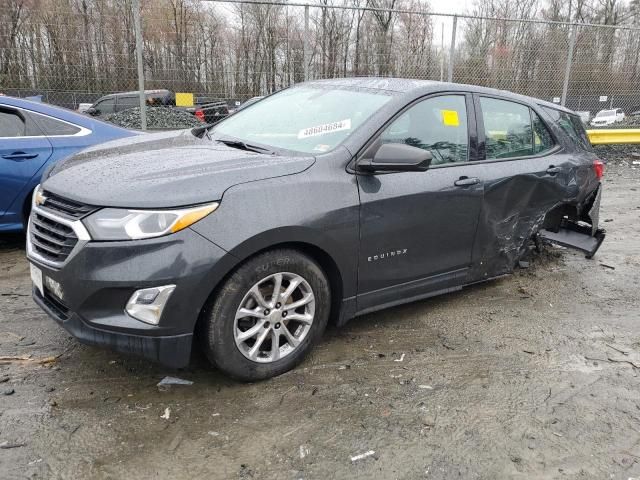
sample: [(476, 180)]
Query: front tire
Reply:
[(267, 315)]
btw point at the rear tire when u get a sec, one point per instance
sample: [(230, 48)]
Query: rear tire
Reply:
[(266, 316)]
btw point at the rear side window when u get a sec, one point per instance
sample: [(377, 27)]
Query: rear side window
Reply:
[(542, 138), (437, 124), (11, 124), (513, 130), (17, 124), (507, 127), (572, 126), (52, 127)]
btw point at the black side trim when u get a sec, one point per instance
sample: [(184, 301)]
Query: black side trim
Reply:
[(411, 291)]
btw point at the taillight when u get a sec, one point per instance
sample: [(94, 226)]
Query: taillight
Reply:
[(199, 115), (598, 168)]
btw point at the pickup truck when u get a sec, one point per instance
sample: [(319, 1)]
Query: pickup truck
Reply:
[(204, 110)]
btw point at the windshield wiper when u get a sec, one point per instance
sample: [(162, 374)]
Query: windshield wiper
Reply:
[(242, 145)]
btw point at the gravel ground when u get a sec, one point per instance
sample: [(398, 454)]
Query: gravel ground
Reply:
[(623, 155), (531, 376), (158, 118)]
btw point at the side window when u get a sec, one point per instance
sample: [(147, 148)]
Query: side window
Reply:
[(542, 139), (11, 124), (438, 124), (52, 127), (125, 103), (106, 106), (507, 127), (572, 126)]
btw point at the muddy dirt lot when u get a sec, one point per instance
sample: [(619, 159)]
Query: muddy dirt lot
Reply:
[(530, 376)]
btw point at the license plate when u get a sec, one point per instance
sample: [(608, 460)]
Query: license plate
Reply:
[(54, 287), (36, 277)]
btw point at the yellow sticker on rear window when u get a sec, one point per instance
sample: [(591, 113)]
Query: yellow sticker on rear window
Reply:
[(450, 118)]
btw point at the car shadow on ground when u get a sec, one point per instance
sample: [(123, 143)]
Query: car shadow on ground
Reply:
[(335, 350), (12, 241)]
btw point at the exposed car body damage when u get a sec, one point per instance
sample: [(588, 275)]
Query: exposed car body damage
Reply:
[(580, 231), (516, 208)]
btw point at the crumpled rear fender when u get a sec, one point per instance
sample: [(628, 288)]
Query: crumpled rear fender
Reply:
[(516, 209), (578, 229)]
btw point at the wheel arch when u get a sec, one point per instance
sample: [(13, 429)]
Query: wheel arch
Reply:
[(553, 218), (295, 240), (330, 268)]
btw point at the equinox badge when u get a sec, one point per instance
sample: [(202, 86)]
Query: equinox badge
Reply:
[(392, 253)]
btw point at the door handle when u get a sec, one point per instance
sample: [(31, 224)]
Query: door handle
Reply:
[(19, 156), (552, 170), (466, 181)]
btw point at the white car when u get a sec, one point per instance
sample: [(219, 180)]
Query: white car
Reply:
[(83, 107), (607, 117)]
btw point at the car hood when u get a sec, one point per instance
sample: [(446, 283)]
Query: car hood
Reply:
[(167, 169)]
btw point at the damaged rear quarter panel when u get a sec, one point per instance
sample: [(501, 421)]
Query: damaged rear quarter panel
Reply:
[(518, 194)]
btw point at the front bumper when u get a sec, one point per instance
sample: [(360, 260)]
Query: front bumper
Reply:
[(172, 351), (98, 279)]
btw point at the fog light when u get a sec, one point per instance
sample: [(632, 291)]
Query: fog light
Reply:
[(147, 304)]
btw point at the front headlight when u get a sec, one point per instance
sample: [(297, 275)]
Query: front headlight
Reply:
[(122, 224)]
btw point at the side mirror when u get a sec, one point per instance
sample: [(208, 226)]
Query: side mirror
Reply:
[(397, 157), (92, 111)]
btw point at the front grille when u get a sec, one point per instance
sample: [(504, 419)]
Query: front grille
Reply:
[(67, 207), (52, 240)]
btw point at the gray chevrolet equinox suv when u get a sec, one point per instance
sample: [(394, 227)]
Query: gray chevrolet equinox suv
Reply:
[(324, 201)]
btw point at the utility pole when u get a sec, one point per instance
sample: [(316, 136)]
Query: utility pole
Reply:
[(137, 25)]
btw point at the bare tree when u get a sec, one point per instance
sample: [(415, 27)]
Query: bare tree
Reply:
[(72, 50)]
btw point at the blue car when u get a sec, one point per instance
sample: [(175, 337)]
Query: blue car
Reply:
[(33, 136)]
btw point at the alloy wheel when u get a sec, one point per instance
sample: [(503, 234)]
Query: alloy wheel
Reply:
[(274, 317)]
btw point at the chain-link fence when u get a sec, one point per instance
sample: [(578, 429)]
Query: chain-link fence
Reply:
[(74, 51)]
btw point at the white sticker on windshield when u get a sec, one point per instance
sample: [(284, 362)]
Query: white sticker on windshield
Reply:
[(324, 129)]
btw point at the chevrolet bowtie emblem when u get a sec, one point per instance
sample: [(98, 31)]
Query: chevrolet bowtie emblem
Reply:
[(40, 198)]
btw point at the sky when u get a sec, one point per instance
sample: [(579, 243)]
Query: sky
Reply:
[(450, 6)]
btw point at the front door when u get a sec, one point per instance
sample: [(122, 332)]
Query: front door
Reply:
[(417, 228)]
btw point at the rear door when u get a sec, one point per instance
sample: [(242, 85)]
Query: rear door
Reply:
[(524, 172), (23, 150), (417, 228)]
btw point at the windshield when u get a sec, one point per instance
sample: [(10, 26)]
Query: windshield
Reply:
[(305, 119), (606, 113)]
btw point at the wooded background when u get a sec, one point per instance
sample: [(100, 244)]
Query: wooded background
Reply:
[(73, 51)]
